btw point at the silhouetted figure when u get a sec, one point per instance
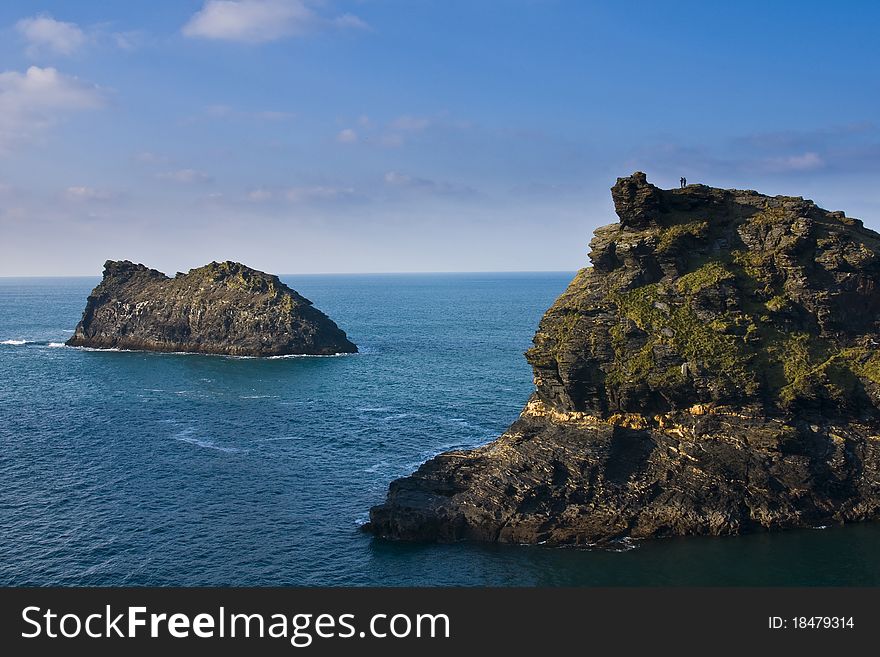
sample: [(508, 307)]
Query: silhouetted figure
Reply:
[(683, 181)]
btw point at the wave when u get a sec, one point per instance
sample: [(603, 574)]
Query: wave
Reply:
[(36, 343), (377, 467), (624, 544), (96, 349), (207, 444), (339, 355)]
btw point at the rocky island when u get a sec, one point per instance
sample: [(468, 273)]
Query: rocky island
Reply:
[(715, 371), (221, 308)]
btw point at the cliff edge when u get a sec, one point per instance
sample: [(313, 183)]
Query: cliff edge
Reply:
[(715, 371), (221, 308)]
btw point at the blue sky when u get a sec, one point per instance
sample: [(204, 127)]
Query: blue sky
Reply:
[(305, 136)]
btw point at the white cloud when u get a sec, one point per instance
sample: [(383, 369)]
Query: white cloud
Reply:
[(414, 184), (259, 21), (395, 133), (149, 157), (399, 179), (350, 21), (808, 161), (260, 194), (390, 140), (219, 111), (34, 101), (45, 33), (317, 193), (185, 176), (131, 40), (347, 136), (46, 36), (300, 194), (80, 193)]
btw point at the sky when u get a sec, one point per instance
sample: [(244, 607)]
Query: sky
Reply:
[(322, 136)]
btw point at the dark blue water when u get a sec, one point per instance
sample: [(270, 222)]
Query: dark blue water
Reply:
[(134, 468)]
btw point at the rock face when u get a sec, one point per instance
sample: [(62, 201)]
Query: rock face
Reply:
[(715, 371), (221, 308)]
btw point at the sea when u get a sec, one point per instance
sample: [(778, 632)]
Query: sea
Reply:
[(141, 469)]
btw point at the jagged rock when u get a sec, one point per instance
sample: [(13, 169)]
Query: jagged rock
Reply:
[(715, 371), (636, 201), (221, 308)]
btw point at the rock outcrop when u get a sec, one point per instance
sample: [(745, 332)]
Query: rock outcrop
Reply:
[(715, 371), (221, 308)]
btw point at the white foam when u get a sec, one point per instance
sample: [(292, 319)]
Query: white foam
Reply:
[(207, 444), (15, 343), (299, 356), (398, 416), (57, 345), (198, 353), (97, 349), (624, 544), (629, 543)]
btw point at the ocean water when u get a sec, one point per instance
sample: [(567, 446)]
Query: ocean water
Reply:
[(124, 468)]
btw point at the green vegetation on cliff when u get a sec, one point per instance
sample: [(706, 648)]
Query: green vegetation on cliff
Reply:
[(710, 300)]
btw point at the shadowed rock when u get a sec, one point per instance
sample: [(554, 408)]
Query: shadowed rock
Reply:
[(715, 371), (221, 308)]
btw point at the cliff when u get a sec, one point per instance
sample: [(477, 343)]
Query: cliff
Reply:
[(221, 308), (714, 371)]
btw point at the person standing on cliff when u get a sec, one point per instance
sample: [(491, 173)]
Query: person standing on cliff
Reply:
[(683, 181)]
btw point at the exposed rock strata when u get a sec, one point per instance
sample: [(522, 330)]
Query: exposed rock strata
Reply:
[(715, 371), (221, 308)]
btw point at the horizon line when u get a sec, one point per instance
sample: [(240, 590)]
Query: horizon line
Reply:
[(328, 273)]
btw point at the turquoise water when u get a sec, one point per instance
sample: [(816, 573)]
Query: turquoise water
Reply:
[(157, 469)]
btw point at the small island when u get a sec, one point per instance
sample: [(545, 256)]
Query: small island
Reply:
[(221, 308), (716, 371)]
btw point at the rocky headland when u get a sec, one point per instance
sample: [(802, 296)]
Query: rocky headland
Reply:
[(715, 371), (221, 308)]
